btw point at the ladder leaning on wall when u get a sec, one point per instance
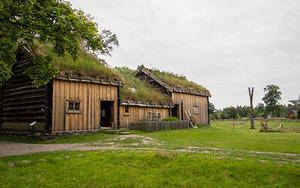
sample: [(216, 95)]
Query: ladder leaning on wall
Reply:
[(189, 115)]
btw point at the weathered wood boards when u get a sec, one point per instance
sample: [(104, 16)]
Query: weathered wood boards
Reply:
[(187, 100), (136, 114), (89, 96), (192, 103)]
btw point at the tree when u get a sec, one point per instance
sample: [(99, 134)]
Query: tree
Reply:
[(243, 111), (30, 22), (231, 112), (211, 108), (271, 99), (280, 111), (259, 110)]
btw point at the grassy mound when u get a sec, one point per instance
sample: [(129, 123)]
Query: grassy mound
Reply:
[(135, 89)]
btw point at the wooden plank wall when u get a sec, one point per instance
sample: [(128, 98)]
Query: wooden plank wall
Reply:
[(89, 95), (23, 103), (189, 101), (139, 114)]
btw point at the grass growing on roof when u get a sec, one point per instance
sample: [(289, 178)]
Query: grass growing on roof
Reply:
[(178, 81), (86, 64), (135, 89)]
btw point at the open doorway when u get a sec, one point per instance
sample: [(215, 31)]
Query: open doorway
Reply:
[(175, 111), (107, 117)]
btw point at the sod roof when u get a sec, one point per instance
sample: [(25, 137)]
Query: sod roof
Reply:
[(177, 82), (86, 64), (137, 90)]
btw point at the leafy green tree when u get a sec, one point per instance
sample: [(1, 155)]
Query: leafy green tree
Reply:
[(280, 111), (30, 22), (271, 99), (223, 115), (243, 111), (211, 108), (231, 112), (259, 110)]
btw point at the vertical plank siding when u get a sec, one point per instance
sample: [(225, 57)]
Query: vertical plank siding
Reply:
[(137, 114), (189, 101), (89, 95)]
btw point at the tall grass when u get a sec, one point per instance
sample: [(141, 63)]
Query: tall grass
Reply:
[(86, 64), (135, 89), (178, 81)]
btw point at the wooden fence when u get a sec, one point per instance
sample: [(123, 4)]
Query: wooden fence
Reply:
[(159, 125)]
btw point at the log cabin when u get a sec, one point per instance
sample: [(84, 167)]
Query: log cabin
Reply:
[(139, 101), (71, 102), (86, 100), (189, 99)]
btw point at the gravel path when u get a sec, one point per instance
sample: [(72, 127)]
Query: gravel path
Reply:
[(15, 148)]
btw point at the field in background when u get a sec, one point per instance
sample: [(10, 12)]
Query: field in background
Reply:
[(221, 134)]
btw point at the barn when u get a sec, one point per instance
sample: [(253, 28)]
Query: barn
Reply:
[(84, 99), (139, 101), (72, 102), (189, 99)]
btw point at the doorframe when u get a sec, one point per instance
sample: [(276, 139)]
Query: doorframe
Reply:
[(112, 112)]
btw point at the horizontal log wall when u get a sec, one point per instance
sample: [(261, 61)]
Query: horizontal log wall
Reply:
[(89, 95), (189, 101), (137, 114), (21, 102)]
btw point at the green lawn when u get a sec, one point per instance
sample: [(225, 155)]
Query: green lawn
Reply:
[(143, 169), (84, 138), (135, 166), (222, 135)]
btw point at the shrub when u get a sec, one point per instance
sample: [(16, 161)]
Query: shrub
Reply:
[(171, 119)]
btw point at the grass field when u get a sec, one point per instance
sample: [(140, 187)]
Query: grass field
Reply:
[(222, 135), (216, 156)]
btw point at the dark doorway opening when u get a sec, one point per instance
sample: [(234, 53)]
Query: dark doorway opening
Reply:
[(106, 113), (181, 105), (175, 111)]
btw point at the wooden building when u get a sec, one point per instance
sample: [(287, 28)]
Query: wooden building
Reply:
[(139, 101), (69, 103), (134, 111), (73, 103), (186, 101)]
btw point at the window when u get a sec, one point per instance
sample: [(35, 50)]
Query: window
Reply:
[(196, 109), (150, 116), (158, 115), (73, 107), (126, 109)]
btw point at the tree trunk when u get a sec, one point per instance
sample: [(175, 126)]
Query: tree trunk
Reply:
[(251, 107)]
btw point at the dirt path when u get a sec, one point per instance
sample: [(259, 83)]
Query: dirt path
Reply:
[(16, 148), (137, 143)]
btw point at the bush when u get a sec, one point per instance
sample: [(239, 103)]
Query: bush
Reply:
[(171, 119)]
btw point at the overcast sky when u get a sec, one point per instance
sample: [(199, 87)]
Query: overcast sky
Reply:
[(225, 46)]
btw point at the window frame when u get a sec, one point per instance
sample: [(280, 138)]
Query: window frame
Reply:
[(196, 111), (74, 110), (128, 112)]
